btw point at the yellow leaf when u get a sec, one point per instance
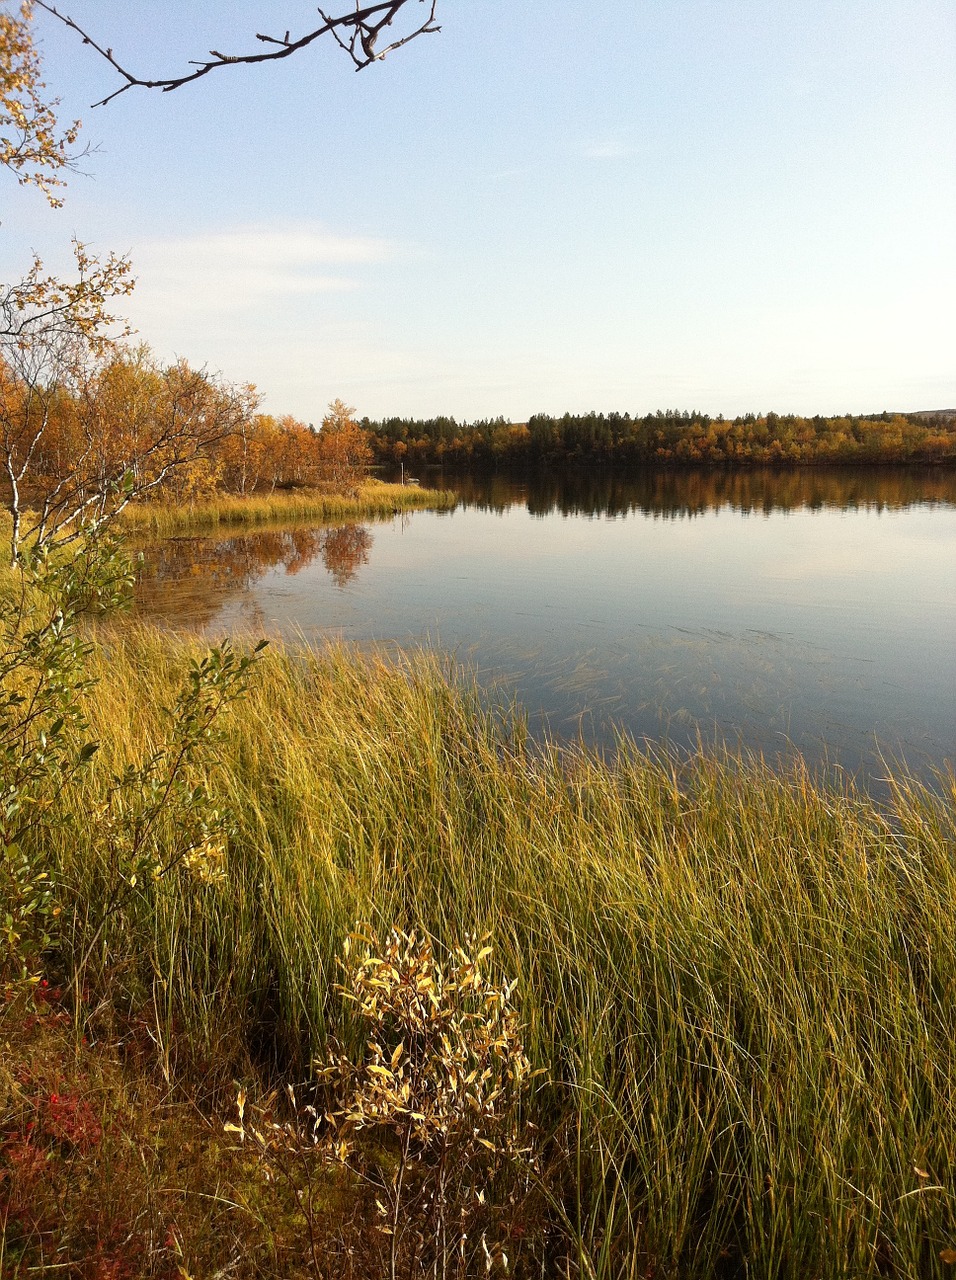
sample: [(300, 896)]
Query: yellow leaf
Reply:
[(948, 1256)]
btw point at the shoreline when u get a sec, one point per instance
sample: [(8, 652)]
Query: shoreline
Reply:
[(373, 499)]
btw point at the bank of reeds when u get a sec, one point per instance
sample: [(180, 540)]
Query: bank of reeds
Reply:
[(373, 500), (741, 981)]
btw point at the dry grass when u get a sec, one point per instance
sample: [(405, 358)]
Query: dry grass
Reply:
[(373, 499)]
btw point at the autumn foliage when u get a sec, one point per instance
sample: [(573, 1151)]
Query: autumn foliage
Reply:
[(669, 438), (32, 143), (88, 424)]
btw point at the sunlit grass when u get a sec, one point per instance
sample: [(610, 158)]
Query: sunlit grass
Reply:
[(741, 981), (373, 499)]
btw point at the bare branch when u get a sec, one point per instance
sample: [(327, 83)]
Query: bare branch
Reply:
[(356, 32)]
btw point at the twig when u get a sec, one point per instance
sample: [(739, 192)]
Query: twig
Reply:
[(365, 25)]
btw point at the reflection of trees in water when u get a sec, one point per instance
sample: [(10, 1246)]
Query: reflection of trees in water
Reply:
[(674, 492), (192, 578), (344, 550)]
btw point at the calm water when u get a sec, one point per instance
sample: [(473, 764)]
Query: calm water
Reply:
[(814, 611)]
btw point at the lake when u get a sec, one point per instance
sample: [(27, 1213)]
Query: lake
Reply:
[(810, 611)]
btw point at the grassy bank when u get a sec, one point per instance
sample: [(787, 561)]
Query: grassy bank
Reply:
[(740, 983), (374, 499)]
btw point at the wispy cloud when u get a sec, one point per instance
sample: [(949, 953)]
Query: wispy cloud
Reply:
[(245, 266)]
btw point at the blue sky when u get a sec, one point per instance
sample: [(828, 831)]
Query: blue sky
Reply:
[(729, 205)]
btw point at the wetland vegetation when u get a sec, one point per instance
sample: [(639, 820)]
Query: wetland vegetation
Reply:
[(737, 983), (370, 500)]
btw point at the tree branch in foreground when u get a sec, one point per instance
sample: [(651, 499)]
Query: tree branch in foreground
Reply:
[(357, 32)]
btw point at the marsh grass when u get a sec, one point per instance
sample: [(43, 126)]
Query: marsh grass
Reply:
[(740, 981), (373, 499)]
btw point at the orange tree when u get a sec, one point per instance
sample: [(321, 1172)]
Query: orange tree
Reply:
[(343, 452)]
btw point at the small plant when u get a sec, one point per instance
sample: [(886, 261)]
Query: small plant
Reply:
[(428, 1117), (150, 820), (169, 782), (43, 730), (159, 816), (27, 919)]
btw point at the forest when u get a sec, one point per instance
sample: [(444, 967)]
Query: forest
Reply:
[(667, 438)]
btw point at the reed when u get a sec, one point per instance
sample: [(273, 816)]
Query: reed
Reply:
[(374, 499), (741, 981)]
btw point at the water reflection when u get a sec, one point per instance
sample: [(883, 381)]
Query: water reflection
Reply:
[(344, 550), (690, 492), (191, 579)]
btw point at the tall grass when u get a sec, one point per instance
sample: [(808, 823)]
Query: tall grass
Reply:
[(742, 982), (373, 499)]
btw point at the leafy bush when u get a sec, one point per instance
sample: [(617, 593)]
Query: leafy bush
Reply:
[(154, 817), (427, 1117), (43, 731)]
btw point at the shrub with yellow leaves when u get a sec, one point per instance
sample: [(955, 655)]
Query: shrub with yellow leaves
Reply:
[(429, 1116)]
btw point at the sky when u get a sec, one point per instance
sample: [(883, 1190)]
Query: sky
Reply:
[(725, 205)]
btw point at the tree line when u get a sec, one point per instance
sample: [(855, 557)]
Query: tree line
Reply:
[(667, 438)]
